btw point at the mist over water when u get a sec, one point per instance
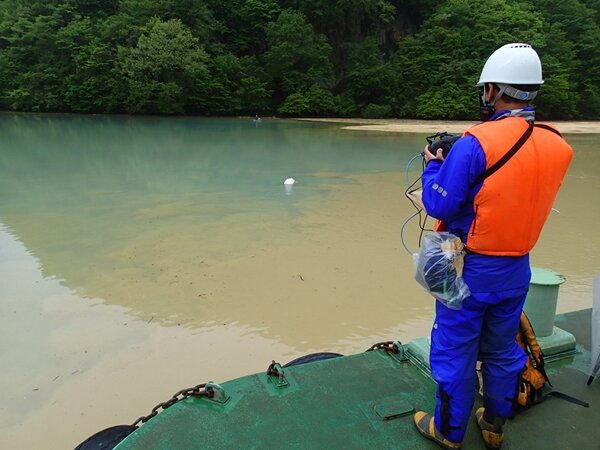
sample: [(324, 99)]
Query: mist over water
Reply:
[(142, 255)]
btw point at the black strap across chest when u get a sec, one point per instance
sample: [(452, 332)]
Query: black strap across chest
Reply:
[(509, 154)]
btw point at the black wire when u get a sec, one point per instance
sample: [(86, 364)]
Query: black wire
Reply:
[(422, 220), (409, 190)]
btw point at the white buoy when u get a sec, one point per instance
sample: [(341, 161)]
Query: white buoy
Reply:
[(289, 181)]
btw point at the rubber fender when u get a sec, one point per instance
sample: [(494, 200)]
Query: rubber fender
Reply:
[(106, 439), (312, 357)]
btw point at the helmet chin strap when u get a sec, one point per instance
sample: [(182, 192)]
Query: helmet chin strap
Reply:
[(487, 108)]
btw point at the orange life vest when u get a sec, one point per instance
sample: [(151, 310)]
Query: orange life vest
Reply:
[(514, 202)]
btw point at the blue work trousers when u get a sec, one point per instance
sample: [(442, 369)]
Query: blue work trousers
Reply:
[(485, 329)]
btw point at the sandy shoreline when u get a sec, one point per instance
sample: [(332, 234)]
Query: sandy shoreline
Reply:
[(452, 126)]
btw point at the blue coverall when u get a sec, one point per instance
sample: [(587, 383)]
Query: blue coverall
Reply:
[(486, 327)]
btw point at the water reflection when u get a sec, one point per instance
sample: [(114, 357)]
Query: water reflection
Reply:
[(184, 219)]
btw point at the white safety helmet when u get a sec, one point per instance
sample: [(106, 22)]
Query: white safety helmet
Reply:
[(512, 64)]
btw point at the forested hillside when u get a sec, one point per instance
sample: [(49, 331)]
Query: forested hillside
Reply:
[(369, 58)]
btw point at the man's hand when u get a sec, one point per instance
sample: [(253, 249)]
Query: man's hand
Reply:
[(429, 156)]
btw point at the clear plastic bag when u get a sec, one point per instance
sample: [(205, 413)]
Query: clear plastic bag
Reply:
[(439, 265)]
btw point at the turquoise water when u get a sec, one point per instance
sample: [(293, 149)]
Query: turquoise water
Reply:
[(96, 181), (43, 158)]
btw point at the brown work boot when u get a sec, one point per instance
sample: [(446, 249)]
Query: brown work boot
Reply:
[(492, 434), (425, 423)]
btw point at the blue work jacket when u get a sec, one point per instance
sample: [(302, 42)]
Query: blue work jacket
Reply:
[(448, 195)]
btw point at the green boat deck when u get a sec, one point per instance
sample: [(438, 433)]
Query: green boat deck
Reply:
[(366, 401)]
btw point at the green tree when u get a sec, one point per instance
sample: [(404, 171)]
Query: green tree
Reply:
[(345, 20), (434, 102), (34, 64), (239, 89), (408, 58), (366, 75), (297, 58), (164, 69), (450, 50), (89, 85), (571, 58), (95, 7), (314, 102)]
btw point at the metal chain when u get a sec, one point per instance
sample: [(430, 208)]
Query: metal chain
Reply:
[(388, 346), (196, 391), (201, 391)]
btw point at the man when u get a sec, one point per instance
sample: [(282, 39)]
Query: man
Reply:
[(499, 217)]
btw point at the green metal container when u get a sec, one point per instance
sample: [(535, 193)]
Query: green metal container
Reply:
[(540, 305)]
